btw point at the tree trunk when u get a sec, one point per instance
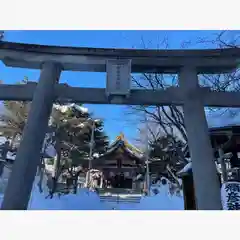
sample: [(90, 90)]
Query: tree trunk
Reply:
[(1, 168), (41, 180), (56, 168), (75, 182), (4, 152), (41, 174), (174, 177)]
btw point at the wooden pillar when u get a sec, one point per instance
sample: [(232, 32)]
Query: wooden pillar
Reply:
[(188, 193)]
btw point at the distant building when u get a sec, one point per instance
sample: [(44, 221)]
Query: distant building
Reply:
[(120, 164)]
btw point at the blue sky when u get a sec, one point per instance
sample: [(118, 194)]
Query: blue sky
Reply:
[(115, 122)]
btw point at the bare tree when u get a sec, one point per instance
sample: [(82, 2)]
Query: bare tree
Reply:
[(222, 82), (169, 120)]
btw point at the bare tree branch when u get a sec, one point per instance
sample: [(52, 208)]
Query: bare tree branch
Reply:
[(169, 120)]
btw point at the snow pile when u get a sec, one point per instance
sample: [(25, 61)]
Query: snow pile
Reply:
[(64, 108), (163, 200), (87, 200), (39, 202), (84, 200), (61, 108), (187, 169), (80, 108), (50, 151), (11, 155)]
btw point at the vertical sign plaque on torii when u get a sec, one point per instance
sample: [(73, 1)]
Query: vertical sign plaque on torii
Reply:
[(118, 77)]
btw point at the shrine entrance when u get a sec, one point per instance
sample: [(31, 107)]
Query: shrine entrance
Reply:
[(119, 180), (119, 64), (120, 164)]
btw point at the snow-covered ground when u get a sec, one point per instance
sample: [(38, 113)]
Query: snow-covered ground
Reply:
[(161, 201), (86, 200)]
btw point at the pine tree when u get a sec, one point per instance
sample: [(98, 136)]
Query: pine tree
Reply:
[(72, 128), (168, 161), (70, 132)]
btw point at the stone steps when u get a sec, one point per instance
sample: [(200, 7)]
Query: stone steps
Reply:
[(120, 198), (119, 195), (114, 191)]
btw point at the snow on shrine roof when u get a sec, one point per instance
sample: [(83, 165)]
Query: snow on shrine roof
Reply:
[(120, 141), (214, 132)]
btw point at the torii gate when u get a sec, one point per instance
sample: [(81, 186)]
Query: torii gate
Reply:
[(52, 60)]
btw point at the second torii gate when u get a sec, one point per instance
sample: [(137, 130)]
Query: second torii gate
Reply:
[(52, 60)]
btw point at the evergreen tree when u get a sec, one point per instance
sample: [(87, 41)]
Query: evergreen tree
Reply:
[(166, 151), (73, 128), (69, 131)]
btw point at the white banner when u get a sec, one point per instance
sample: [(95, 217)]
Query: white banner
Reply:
[(230, 194)]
